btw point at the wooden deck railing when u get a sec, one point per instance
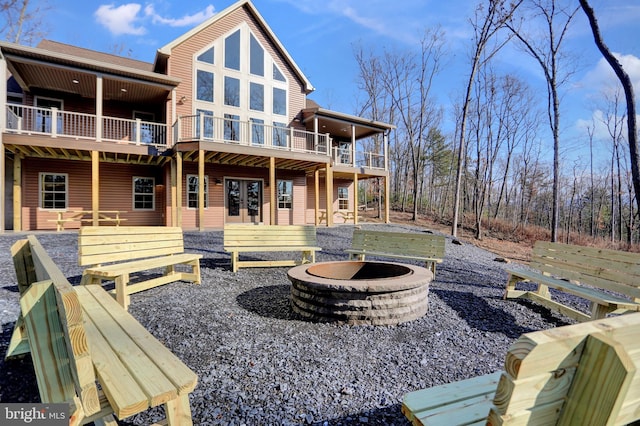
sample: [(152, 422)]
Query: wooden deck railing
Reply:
[(25, 119)]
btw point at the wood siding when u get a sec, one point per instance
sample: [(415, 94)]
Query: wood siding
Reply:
[(116, 192)]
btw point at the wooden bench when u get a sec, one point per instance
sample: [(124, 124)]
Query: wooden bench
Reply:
[(403, 245), (270, 238), (133, 249), (587, 272), (587, 373), (86, 216), (89, 352), (347, 215)]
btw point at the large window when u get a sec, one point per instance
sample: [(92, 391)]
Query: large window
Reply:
[(279, 101), (257, 131), (53, 190), (256, 96), (256, 57), (343, 198), (285, 194), (279, 134), (232, 51), (207, 56), (231, 91), (143, 193), (231, 127), (204, 121), (192, 191), (204, 86)]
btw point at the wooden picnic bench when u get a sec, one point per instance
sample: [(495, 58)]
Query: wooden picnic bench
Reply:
[(402, 245), (587, 373), (89, 352), (80, 216), (609, 279), (114, 253), (270, 238), (345, 214)]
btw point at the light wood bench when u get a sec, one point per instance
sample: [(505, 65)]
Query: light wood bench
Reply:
[(587, 373), (402, 245), (133, 249), (347, 215), (270, 238), (89, 352), (587, 272)]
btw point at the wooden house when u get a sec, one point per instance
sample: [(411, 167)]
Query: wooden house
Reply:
[(218, 129)]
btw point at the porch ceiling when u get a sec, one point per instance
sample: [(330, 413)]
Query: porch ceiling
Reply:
[(244, 160), (38, 77)]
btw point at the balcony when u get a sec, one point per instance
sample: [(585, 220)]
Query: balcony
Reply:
[(253, 133), (22, 119), (259, 135)]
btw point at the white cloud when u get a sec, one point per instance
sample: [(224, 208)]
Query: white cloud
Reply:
[(186, 20), (128, 19), (121, 19), (602, 76)]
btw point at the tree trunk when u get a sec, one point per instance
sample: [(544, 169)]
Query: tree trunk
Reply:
[(628, 93)]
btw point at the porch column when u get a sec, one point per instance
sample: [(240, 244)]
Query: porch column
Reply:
[(17, 193), (273, 187), (316, 210), (178, 188), (329, 185), (201, 190), (95, 187), (3, 126), (355, 198), (386, 199), (173, 193), (99, 124), (353, 145)]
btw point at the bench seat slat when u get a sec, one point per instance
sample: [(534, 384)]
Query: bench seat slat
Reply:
[(173, 368), (575, 289), (116, 269)]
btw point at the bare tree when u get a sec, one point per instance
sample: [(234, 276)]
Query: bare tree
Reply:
[(549, 55), (409, 80), (24, 20), (632, 131), (485, 26)]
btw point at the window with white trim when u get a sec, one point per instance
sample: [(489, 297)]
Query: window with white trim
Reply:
[(144, 193), (343, 198), (192, 191), (53, 190), (285, 194)]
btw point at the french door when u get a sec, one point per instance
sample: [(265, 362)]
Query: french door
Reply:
[(244, 201)]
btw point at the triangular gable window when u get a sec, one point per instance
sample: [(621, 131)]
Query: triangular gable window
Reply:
[(206, 56)]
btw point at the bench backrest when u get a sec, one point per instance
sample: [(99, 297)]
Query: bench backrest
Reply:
[(270, 236), (405, 243), (104, 244), (54, 327), (572, 375), (613, 270)]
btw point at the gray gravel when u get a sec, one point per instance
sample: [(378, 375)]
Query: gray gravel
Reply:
[(260, 365)]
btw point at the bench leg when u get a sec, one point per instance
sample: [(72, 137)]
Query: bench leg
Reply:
[(543, 291), (599, 311), (195, 268), (121, 290), (234, 261), (178, 411)]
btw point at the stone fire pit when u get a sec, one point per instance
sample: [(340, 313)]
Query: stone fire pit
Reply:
[(360, 292)]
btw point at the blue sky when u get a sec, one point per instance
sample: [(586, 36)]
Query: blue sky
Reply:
[(320, 37)]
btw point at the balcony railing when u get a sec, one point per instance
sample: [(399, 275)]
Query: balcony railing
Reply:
[(24, 119), (252, 133), (366, 159)]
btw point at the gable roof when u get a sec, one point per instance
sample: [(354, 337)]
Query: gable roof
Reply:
[(165, 51)]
